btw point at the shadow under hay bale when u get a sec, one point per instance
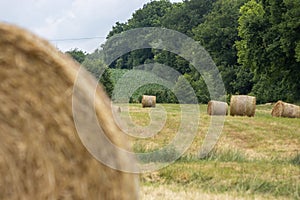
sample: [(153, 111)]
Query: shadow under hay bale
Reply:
[(242, 105), (217, 108), (282, 109), (148, 101), (41, 155)]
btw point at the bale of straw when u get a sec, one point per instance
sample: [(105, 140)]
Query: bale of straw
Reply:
[(148, 101), (217, 108), (283, 109), (242, 105), (41, 155)]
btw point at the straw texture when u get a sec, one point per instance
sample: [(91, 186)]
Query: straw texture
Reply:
[(148, 101), (242, 105), (217, 108), (282, 109), (41, 155)]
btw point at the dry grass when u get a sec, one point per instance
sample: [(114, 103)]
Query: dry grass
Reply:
[(258, 137), (173, 192), (255, 158)]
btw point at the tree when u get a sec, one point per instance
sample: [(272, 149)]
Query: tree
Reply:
[(218, 34), (269, 33), (150, 15), (118, 28), (95, 65), (254, 43), (77, 55), (183, 17), (107, 83), (183, 91)]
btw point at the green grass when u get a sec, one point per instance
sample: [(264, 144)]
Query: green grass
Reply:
[(295, 160), (278, 180), (254, 156)]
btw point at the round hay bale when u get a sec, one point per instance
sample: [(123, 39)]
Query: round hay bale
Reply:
[(41, 155), (282, 109), (217, 108), (242, 105), (148, 101)]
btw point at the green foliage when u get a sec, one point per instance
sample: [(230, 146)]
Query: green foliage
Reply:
[(94, 64), (296, 160), (183, 17), (163, 94), (243, 82), (149, 16), (167, 154), (271, 90), (184, 91), (77, 55), (250, 23), (116, 74), (117, 28), (297, 51), (156, 86), (228, 155), (218, 34), (254, 43), (269, 32), (107, 82), (199, 86)]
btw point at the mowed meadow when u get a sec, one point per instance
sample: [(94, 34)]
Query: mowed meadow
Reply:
[(255, 157)]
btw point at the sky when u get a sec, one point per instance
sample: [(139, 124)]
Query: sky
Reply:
[(70, 24)]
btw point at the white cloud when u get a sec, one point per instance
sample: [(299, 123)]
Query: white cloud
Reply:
[(59, 19)]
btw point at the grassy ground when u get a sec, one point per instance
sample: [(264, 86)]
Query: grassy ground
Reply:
[(255, 158)]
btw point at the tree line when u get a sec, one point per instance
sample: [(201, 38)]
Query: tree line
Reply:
[(254, 43)]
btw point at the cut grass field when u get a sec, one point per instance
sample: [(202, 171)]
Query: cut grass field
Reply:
[(255, 158)]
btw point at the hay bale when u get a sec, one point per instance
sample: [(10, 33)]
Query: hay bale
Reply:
[(148, 101), (282, 109), (41, 155), (242, 105), (217, 108)]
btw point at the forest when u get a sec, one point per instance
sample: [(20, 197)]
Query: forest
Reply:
[(255, 45)]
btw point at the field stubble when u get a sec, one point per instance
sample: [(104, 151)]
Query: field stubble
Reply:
[(255, 158)]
